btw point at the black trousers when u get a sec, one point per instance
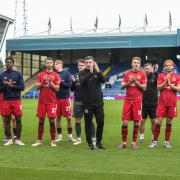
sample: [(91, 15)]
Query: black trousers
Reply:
[(91, 111)]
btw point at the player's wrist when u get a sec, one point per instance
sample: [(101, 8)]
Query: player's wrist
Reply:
[(97, 70), (127, 84), (91, 71), (51, 84), (136, 82)]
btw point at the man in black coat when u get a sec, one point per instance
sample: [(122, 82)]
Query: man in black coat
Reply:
[(92, 99)]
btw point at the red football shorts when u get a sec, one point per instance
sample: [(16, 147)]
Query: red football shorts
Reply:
[(132, 111), (49, 109), (166, 111), (12, 107), (64, 107)]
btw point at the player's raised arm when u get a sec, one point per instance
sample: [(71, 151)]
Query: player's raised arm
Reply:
[(126, 82), (143, 84), (40, 81), (55, 86), (99, 73), (140, 86), (124, 85), (161, 83), (38, 85), (175, 87)]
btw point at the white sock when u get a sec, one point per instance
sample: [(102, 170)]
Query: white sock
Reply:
[(79, 138), (141, 136), (70, 135), (93, 139), (59, 135)]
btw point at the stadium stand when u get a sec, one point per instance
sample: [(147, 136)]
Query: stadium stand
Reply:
[(112, 51), (30, 90), (110, 88)]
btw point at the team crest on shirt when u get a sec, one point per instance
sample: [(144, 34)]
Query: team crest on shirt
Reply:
[(174, 79)]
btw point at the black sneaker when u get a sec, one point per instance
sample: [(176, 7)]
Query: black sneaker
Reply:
[(91, 147), (100, 146)]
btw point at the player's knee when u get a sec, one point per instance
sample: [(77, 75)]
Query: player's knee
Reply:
[(168, 121), (7, 118), (158, 123), (69, 118), (58, 118), (125, 123), (136, 123), (78, 121), (142, 123), (153, 122), (18, 119), (13, 118), (41, 120), (52, 123)]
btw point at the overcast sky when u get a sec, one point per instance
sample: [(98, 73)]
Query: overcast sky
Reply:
[(84, 12)]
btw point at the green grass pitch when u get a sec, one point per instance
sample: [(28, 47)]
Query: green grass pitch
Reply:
[(67, 161)]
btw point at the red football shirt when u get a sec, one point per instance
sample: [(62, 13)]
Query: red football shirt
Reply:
[(167, 95), (47, 94), (133, 93)]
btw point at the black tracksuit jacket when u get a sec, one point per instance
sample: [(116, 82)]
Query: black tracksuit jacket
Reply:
[(90, 91)]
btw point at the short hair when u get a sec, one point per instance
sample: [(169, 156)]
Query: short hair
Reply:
[(88, 57), (169, 61), (136, 58), (9, 58), (147, 64), (58, 61), (49, 58), (80, 61)]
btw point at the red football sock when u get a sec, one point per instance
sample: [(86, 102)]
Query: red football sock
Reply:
[(168, 132), (157, 132), (52, 130), (135, 133), (124, 133), (40, 130), (69, 130)]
